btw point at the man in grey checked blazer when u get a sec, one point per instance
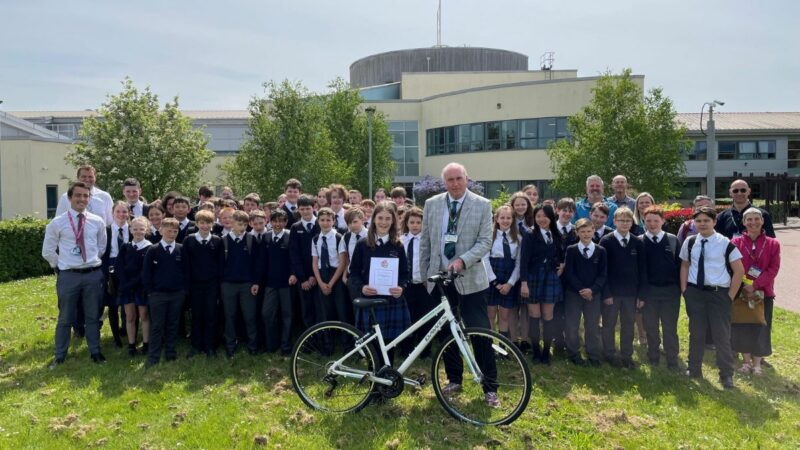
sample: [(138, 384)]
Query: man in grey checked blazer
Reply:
[(473, 227)]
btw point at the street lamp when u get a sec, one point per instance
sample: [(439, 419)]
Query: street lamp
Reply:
[(370, 111), (711, 150)]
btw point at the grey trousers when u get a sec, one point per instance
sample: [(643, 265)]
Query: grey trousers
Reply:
[(574, 307), (625, 309), (662, 307), (74, 290), (709, 309), (235, 296), (276, 300)]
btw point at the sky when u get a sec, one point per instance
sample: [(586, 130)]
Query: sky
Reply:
[(69, 55)]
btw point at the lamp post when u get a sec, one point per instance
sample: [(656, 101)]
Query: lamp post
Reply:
[(370, 111), (711, 151)]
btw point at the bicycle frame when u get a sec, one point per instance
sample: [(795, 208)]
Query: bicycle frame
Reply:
[(338, 368)]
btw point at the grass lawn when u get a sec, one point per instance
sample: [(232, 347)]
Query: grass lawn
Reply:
[(249, 402)]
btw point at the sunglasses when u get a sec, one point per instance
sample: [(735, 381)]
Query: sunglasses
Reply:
[(739, 191)]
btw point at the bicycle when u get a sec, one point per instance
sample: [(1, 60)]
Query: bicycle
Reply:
[(348, 380)]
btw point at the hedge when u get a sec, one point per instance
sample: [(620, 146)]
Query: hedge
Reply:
[(21, 249)]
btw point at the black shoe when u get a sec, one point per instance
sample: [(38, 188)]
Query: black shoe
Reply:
[(117, 342), (98, 358), (56, 362), (524, 346), (545, 357), (578, 361), (628, 363), (145, 348), (727, 382), (613, 361), (694, 374), (595, 362), (192, 353), (131, 349)]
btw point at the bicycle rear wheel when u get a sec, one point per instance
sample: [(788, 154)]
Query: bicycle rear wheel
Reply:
[(314, 353), (511, 380)]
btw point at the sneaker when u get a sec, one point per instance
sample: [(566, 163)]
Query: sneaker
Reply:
[(452, 389), (491, 400)]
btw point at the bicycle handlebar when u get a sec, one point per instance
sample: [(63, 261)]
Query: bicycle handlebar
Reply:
[(445, 277)]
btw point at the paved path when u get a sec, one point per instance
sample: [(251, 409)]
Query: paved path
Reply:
[(787, 284)]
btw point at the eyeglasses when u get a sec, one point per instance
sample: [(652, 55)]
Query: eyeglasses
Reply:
[(739, 191)]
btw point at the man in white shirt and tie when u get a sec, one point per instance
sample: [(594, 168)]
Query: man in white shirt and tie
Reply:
[(73, 245), (100, 202)]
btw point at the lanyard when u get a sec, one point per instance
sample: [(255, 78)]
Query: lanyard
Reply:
[(79, 231), (753, 253), (452, 221)]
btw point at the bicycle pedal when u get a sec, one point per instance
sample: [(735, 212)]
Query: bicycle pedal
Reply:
[(421, 379)]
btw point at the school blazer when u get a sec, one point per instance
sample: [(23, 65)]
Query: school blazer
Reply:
[(474, 240)]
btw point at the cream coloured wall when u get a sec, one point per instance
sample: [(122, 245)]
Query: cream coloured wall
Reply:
[(496, 165), (28, 166), (423, 85)]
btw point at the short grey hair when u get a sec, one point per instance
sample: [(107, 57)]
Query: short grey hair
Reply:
[(753, 210), (454, 165), (594, 178), (701, 198)]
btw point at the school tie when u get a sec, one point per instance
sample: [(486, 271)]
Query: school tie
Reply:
[(204, 241), (549, 238), (120, 241), (701, 265), (325, 261), (275, 239), (624, 242), (521, 225), (309, 226), (168, 248), (410, 256), (655, 239), (237, 240), (450, 247), (130, 209), (586, 252), (564, 231), (81, 244), (506, 247)]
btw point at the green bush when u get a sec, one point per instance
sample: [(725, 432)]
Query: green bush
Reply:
[(21, 249)]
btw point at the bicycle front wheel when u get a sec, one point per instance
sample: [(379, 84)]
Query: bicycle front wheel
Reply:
[(315, 352), (505, 372)]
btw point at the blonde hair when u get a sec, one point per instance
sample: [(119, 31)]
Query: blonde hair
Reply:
[(143, 220), (623, 211)]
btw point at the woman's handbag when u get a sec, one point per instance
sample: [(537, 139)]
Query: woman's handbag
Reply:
[(748, 308)]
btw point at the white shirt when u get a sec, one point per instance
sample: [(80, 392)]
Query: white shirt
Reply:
[(100, 204), (183, 223), (716, 273), (138, 208), (142, 244), (338, 221), (659, 236), (333, 251), (590, 247), (258, 235), (600, 233), (561, 227), (620, 237), (305, 223), (497, 252), (171, 246), (544, 232), (445, 220), (114, 233), (290, 206), (521, 225), (59, 235), (279, 235), (416, 276), (351, 246), (200, 239)]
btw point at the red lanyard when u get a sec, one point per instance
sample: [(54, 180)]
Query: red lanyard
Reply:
[(753, 253), (77, 232)]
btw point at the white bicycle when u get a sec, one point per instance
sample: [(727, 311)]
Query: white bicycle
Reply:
[(334, 366)]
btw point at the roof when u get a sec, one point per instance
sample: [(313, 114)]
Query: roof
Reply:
[(194, 114), (29, 129), (744, 121)]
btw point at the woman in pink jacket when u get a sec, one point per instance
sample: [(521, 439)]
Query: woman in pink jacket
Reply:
[(761, 256)]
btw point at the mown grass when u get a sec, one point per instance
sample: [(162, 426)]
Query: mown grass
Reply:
[(249, 402)]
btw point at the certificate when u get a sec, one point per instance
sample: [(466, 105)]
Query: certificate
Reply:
[(383, 274)]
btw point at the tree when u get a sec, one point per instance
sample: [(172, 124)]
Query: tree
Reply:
[(318, 139), (131, 137), (622, 131)]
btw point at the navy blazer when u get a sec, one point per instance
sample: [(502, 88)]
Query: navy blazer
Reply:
[(535, 251), (300, 250), (362, 257), (128, 269)]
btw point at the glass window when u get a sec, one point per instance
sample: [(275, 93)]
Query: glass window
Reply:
[(698, 152), (51, 193), (561, 127), (464, 138), (766, 149), (747, 150), (726, 149), (450, 139), (411, 138), (429, 142), (396, 125), (476, 137), (411, 125), (509, 133), (493, 135), (547, 131), (412, 154), (412, 170)]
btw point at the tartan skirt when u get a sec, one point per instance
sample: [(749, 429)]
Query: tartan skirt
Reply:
[(545, 286), (393, 318), (502, 270)]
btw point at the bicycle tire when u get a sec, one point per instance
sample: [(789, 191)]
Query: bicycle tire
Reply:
[(512, 382), (308, 368)]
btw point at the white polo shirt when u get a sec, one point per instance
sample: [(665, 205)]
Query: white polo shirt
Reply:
[(716, 273)]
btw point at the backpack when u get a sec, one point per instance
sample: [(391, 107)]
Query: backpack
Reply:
[(248, 241), (338, 239), (728, 250)]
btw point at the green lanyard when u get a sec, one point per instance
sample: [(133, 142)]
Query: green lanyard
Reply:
[(452, 221)]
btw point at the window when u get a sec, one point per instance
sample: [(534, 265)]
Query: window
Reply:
[(405, 146), (766, 149), (51, 193), (747, 150), (476, 136), (547, 131), (726, 150), (509, 134), (697, 152), (495, 135), (528, 132)]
